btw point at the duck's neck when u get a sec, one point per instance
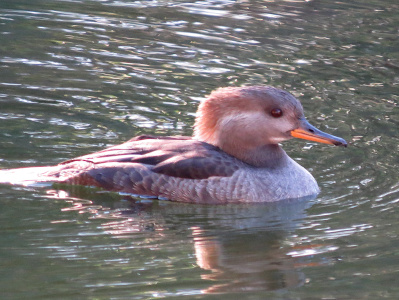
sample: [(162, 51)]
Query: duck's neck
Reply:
[(265, 156)]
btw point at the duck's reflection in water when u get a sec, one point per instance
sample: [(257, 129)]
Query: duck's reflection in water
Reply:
[(239, 247), (249, 251)]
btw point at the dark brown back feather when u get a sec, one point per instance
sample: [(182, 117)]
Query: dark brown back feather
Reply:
[(180, 157)]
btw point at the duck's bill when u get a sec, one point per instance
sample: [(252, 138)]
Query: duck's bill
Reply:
[(309, 132)]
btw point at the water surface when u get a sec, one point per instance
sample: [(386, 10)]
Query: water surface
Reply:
[(77, 76)]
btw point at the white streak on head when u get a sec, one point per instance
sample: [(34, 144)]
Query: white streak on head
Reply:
[(251, 128)]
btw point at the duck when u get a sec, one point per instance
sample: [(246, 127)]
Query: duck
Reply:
[(234, 155)]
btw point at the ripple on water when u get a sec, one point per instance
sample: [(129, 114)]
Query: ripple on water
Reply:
[(81, 75)]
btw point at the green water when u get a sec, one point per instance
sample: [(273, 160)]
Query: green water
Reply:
[(77, 76)]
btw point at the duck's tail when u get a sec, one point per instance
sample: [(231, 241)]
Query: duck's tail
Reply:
[(29, 176), (64, 172)]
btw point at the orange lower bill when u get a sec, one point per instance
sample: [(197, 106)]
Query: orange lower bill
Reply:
[(302, 134)]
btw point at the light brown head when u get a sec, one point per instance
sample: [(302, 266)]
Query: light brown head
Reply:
[(244, 121)]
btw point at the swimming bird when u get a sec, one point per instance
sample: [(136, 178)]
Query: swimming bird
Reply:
[(234, 155)]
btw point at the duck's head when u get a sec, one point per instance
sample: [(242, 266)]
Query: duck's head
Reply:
[(244, 120)]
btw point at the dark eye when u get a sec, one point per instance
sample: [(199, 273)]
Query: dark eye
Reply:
[(276, 113)]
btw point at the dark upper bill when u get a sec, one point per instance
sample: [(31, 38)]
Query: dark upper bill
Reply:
[(309, 132)]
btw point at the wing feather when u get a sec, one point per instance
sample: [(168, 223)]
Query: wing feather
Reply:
[(180, 157)]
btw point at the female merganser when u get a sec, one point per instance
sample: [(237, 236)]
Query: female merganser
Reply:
[(233, 156)]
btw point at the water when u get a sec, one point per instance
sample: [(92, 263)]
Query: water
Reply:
[(77, 76)]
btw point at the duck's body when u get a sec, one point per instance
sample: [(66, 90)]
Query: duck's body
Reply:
[(234, 155)]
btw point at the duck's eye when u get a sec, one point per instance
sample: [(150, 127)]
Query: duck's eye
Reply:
[(276, 112)]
